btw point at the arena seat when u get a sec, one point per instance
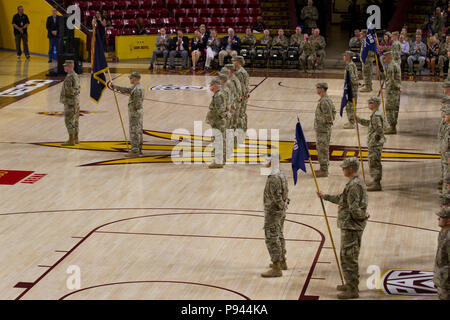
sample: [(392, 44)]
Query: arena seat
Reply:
[(172, 3), (186, 21), (217, 12), (200, 4), (179, 12), (185, 3), (205, 12), (192, 12), (230, 12), (228, 4), (214, 3)]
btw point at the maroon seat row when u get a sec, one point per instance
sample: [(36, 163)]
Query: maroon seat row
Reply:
[(170, 4)]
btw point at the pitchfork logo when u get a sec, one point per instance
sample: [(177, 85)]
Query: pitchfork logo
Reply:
[(417, 283)]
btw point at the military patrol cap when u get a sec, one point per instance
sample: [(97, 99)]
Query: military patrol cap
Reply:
[(350, 162), (375, 100), (230, 66), (135, 75), (215, 81), (222, 76), (444, 213), (239, 59), (445, 100), (69, 63), (322, 85), (395, 33), (446, 84), (446, 109), (225, 70), (348, 53), (387, 54)]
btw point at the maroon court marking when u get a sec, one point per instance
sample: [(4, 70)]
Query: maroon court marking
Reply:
[(27, 285), (256, 86), (302, 295), (156, 281)]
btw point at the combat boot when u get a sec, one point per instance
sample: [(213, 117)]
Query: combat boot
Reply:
[(351, 292), (283, 265), (341, 287), (366, 89), (275, 271), (374, 186), (132, 154), (391, 130), (215, 166), (70, 142), (349, 125), (321, 173), (75, 138)]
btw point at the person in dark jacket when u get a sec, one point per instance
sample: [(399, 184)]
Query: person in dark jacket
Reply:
[(231, 45), (53, 34), (197, 48), (20, 23), (179, 48)]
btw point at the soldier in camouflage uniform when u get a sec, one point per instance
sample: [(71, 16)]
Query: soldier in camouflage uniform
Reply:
[(352, 219), (442, 131), (319, 45), (238, 97), (441, 277), (217, 118), (280, 44), (393, 85), (375, 142), (443, 55), (297, 38), (69, 97), (249, 40), (309, 15), (323, 121), (444, 147), (396, 48), (353, 70), (275, 204), (135, 112), (243, 77), (231, 105), (308, 56), (367, 67)]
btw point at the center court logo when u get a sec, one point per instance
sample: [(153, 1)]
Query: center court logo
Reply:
[(413, 283), (176, 87)]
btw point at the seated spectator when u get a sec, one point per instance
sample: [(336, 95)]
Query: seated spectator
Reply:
[(140, 27), (297, 37), (385, 44), (355, 42), (212, 48), (162, 48), (437, 23), (319, 45), (205, 34), (197, 48), (248, 39), (266, 39), (308, 57), (279, 45), (179, 47), (230, 45), (432, 55), (404, 52), (443, 54), (417, 53), (259, 25)]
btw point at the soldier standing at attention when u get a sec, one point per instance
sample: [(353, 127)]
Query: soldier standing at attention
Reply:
[(441, 277), (445, 136), (323, 121), (309, 15), (393, 85), (443, 128), (238, 97), (308, 56), (217, 118), (353, 70), (135, 112), (231, 105), (69, 97), (243, 77), (275, 204), (375, 142), (367, 67), (396, 48), (352, 219)]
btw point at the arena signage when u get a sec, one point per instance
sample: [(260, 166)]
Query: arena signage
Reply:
[(177, 87), (23, 88)]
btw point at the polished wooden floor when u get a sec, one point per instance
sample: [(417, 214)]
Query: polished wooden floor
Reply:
[(151, 229)]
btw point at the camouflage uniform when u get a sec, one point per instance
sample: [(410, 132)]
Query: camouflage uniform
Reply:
[(443, 56), (444, 147), (237, 98), (308, 55), (217, 118), (351, 220), (249, 40), (323, 121), (367, 67), (296, 40), (375, 140), (266, 40), (437, 25), (275, 198), (243, 77), (441, 277), (231, 105), (396, 49), (319, 45), (309, 15), (353, 70), (70, 92), (135, 114), (393, 85)]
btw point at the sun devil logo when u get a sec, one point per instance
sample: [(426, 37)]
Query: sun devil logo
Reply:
[(176, 87), (408, 283), (186, 148)]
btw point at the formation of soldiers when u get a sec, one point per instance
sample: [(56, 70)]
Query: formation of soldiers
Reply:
[(310, 49)]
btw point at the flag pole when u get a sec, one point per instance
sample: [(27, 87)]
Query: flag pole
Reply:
[(379, 76), (326, 220), (118, 110), (359, 140)]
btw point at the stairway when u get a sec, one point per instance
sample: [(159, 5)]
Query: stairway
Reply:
[(417, 14), (275, 14)]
